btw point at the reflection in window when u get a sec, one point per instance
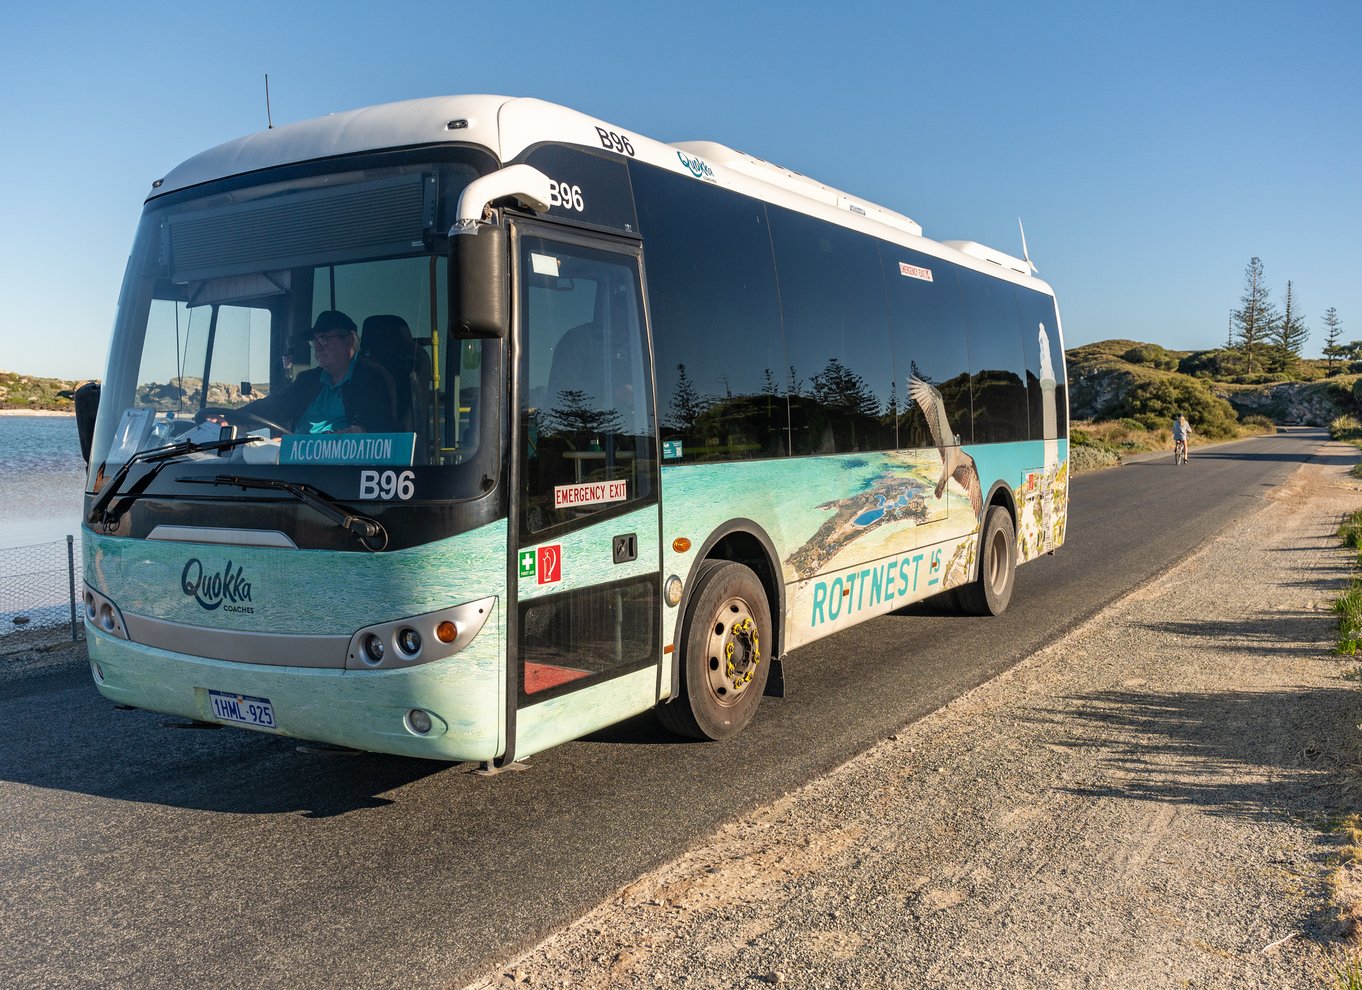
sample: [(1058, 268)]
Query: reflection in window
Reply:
[(998, 370), (928, 329), (716, 319), (840, 377), (584, 384), (1044, 365)]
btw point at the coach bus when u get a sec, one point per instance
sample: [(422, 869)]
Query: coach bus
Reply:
[(462, 427)]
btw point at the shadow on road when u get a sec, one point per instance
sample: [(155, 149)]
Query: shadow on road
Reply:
[(1250, 755), (101, 751)]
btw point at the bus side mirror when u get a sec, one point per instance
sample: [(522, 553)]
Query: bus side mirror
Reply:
[(86, 401), (478, 285)]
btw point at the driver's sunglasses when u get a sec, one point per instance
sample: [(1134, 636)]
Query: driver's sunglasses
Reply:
[(327, 339)]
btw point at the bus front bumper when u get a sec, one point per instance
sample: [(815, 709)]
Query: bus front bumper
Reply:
[(463, 697)]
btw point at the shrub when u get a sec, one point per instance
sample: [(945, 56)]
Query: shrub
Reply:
[(1348, 608), (1133, 424), (1077, 436), (1345, 428), (1218, 363), (1152, 355), (1259, 423), (1087, 457), (1155, 403), (1350, 532)]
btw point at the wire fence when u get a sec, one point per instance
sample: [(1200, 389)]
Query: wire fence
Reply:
[(38, 588)]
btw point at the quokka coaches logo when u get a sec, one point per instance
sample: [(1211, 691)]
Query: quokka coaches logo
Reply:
[(698, 167), (228, 590)]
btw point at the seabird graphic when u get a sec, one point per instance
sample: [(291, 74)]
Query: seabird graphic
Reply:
[(955, 463)]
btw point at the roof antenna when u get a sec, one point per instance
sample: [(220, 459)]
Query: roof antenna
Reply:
[(268, 119), (1026, 257)]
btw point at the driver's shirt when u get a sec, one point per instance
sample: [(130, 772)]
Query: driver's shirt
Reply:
[(327, 413)]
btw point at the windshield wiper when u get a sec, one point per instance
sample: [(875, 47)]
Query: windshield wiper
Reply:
[(160, 456), (362, 526)]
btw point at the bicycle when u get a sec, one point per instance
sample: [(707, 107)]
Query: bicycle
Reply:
[(1180, 452)]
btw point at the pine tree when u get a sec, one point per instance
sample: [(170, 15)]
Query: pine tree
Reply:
[(839, 388), (1291, 331), (686, 404), (1256, 317), (1333, 330)]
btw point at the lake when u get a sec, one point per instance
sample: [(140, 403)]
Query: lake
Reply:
[(43, 480)]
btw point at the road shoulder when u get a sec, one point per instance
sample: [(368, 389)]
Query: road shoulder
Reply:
[(1147, 802)]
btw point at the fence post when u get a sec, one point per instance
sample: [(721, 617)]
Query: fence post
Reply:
[(71, 579)]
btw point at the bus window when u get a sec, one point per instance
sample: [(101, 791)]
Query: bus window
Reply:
[(1044, 365), (840, 375), (997, 368), (929, 342), (716, 319), (584, 385)]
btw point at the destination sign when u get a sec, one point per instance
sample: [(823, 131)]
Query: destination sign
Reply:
[(347, 448)]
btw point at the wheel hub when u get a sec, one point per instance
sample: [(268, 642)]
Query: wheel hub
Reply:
[(735, 652)]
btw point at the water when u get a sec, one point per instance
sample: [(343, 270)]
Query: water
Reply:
[(42, 480)]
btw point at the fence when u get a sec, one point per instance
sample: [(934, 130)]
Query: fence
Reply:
[(38, 588)]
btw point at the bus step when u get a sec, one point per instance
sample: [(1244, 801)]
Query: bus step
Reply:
[(490, 769)]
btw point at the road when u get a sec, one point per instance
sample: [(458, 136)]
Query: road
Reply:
[(141, 855)]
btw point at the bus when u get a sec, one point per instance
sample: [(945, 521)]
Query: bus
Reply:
[(616, 425)]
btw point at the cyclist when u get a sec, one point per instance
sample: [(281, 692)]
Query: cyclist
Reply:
[(1182, 430)]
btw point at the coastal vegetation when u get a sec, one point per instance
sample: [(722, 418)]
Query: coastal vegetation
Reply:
[(29, 392), (1123, 395)]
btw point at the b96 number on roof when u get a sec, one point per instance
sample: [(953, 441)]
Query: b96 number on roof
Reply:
[(611, 141)]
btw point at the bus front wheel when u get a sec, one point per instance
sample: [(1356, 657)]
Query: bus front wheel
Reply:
[(990, 592), (725, 653)]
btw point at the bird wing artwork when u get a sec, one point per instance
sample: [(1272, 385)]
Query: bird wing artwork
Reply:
[(955, 463)]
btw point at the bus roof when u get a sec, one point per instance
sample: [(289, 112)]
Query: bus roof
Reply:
[(509, 126)]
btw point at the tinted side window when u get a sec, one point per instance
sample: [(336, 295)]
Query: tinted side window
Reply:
[(928, 330), (997, 368), (840, 377), (1044, 365), (716, 320)]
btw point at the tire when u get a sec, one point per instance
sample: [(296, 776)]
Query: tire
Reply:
[(991, 591), (725, 659)]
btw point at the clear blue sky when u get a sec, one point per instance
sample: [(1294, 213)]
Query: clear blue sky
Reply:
[(1150, 148)]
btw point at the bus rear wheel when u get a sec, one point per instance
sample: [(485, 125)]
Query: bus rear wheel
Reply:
[(725, 654), (990, 592)]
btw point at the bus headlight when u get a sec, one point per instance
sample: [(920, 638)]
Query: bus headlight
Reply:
[(408, 641), (403, 643), (103, 614), (373, 650)]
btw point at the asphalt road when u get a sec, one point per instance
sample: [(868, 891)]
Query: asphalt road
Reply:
[(140, 855)]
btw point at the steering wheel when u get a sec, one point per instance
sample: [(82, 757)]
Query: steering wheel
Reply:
[(239, 416)]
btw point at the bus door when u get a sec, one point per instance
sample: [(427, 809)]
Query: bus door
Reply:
[(585, 524)]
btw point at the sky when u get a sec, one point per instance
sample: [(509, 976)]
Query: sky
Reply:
[(1150, 149)]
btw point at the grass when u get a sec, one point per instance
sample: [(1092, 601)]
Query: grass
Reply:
[(1349, 430), (1101, 443), (1348, 975), (1348, 607)]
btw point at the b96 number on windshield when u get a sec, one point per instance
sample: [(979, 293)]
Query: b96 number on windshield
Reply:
[(387, 485)]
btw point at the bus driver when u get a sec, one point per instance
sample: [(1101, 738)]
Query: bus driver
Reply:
[(344, 393)]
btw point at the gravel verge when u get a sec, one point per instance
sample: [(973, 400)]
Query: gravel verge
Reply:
[(1150, 802)]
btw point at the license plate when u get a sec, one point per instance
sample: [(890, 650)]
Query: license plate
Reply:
[(243, 709)]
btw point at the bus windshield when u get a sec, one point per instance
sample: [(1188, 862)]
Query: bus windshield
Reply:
[(309, 314)]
